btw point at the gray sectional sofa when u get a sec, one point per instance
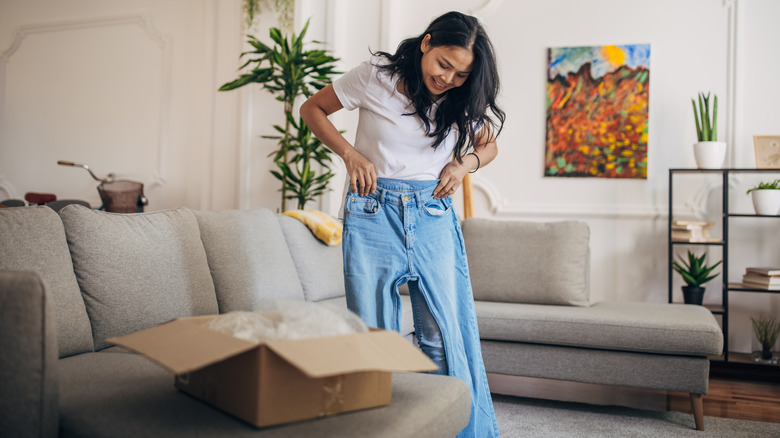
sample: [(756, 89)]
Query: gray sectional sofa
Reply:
[(531, 288), (69, 282), (97, 275)]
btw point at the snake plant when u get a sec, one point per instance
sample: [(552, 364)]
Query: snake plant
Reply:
[(707, 129)]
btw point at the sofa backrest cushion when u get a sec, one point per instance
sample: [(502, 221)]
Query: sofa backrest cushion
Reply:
[(529, 262), (248, 257), (320, 267), (138, 270), (33, 239)]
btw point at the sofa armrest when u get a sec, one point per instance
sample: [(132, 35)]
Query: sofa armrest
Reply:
[(28, 357)]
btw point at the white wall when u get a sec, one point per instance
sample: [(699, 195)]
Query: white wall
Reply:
[(125, 87), (130, 87)]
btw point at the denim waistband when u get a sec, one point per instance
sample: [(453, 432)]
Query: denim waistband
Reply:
[(401, 191)]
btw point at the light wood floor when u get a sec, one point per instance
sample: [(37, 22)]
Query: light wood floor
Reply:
[(738, 398)]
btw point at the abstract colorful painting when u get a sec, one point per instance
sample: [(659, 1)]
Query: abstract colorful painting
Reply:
[(597, 108)]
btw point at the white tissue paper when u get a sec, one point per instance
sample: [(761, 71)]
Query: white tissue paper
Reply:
[(280, 319)]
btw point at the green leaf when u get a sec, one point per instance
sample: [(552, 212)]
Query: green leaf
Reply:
[(714, 135), (276, 35), (696, 116)]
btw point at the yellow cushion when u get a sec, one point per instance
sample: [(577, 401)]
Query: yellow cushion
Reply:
[(326, 228)]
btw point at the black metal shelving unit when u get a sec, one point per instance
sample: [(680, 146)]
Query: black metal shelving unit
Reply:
[(727, 286)]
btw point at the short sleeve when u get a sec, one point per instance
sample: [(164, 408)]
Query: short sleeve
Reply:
[(478, 124), (351, 87)]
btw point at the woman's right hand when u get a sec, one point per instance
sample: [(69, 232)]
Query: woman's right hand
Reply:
[(362, 174), (315, 112)]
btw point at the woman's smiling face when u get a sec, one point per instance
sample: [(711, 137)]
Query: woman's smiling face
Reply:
[(444, 67)]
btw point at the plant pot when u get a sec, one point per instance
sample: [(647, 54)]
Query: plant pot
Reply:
[(693, 295), (766, 201), (709, 154)]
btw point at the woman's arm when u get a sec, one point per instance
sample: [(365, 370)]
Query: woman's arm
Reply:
[(452, 175), (315, 112)]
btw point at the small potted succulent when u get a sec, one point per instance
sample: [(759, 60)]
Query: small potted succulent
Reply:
[(766, 197), (709, 152), (766, 329), (695, 273)]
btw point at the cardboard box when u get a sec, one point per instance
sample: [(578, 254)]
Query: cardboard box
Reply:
[(282, 381)]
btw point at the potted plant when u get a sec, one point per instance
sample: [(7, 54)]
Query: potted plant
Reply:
[(767, 330), (695, 273), (709, 152), (288, 71), (766, 197)]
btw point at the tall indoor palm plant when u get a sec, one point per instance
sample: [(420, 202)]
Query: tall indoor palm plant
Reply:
[(288, 71)]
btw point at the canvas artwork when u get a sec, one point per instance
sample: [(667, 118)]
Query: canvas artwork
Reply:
[(597, 111)]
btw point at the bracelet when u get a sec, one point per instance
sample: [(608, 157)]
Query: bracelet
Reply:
[(478, 162)]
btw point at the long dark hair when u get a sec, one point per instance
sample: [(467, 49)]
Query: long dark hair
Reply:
[(465, 107)]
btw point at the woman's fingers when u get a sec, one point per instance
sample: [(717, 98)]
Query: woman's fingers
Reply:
[(450, 179), (362, 175)]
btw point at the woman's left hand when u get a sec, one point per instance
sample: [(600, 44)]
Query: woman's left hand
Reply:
[(450, 179)]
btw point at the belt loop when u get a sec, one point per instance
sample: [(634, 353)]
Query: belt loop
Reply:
[(418, 197), (382, 193)]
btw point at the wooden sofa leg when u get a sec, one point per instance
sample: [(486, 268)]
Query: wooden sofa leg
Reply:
[(698, 410)]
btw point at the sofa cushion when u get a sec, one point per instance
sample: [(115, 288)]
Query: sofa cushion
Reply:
[(125, 395), (670, 329), (320, 267), (547, 263), (248, 257), (138, 270), (33, 239)]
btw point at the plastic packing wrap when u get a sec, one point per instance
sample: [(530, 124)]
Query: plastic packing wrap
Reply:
[(281, 319)]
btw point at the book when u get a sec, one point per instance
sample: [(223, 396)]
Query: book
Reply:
[(690, 225), (752, 285), (751, 277), (693, 235), (764, 271)]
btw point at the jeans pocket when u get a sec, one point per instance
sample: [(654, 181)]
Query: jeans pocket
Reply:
[(438, 207), (365, 206)]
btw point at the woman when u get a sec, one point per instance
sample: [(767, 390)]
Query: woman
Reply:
[(423, 124)]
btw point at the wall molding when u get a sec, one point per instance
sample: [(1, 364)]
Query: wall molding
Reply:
[(731, 81), (486, 8), (144, 21), (499, 206), (9, 189)]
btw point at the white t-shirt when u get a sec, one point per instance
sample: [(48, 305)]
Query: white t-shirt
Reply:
[(395, 143)]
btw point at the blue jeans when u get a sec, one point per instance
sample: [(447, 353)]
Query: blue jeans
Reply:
[(401, 234)]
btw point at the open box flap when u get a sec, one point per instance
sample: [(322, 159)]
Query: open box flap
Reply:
[(183, 345), (374, 351)]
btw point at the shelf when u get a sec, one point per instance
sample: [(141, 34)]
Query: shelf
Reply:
[(748, 358), (683, 242), (742, 361), (752, 215), (739, 287), (735, 170)]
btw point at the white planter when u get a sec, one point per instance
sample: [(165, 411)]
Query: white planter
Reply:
[(709, 154), (766, 201)]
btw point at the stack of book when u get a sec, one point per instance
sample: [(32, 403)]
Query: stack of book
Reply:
[(692, 231), (762, 278)]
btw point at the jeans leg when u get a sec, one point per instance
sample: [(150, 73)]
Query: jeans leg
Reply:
[(426, 329), (374, 259)]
